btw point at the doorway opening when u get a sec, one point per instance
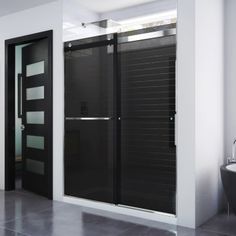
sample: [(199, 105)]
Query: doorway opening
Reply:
[(28, 113)]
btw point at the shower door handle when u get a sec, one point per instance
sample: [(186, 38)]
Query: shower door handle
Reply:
[(89, 118), (176, 129)]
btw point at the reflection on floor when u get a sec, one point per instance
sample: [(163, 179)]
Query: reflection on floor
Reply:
[(18, 173), (23, 213), (18, 183)]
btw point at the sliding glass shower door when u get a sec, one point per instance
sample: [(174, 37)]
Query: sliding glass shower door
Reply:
[(148, 152), (89, 124), (120, 119)]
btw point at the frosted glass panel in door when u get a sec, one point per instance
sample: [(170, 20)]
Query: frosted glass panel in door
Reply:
[(35, 93), (35, 117), (35, 69), (35, 142), (36, 167)]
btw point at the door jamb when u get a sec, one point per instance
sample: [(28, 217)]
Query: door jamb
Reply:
[(10, 106)]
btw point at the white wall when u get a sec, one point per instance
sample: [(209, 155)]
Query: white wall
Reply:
[(186, 113), (73, 12), (24, 23), (9, 7), (230, 75), (209, 84), (200, 109), (73, 16)]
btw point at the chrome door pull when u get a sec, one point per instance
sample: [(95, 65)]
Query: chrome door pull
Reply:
[(88, 118), (22, 127)]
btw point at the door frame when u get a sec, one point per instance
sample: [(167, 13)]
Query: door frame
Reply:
[(10, 106)]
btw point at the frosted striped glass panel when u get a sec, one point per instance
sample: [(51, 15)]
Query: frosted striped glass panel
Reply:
[(35, 117), (35, 69), (35, 93), (36, 167), (35, 142)]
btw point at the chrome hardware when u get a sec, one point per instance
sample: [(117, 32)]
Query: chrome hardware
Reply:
[(176, 129), (22, 127), (233, 151), (232, 159), (88, 118)]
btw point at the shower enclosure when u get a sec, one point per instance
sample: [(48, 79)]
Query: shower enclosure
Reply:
[(120, 119)]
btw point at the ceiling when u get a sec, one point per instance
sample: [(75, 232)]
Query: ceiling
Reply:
[(99, 6), (11, 6), (102, 6)]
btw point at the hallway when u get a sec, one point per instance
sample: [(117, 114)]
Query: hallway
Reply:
[(23, 213)]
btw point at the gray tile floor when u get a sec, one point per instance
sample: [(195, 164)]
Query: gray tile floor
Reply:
[(23, 213)]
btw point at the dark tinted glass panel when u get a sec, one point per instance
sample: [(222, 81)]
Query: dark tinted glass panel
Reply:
[(89, 143), (88, 160), (89, 82), (148, 153)]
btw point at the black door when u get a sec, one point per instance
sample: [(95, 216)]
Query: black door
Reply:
[(37, 117), (89, 123)]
